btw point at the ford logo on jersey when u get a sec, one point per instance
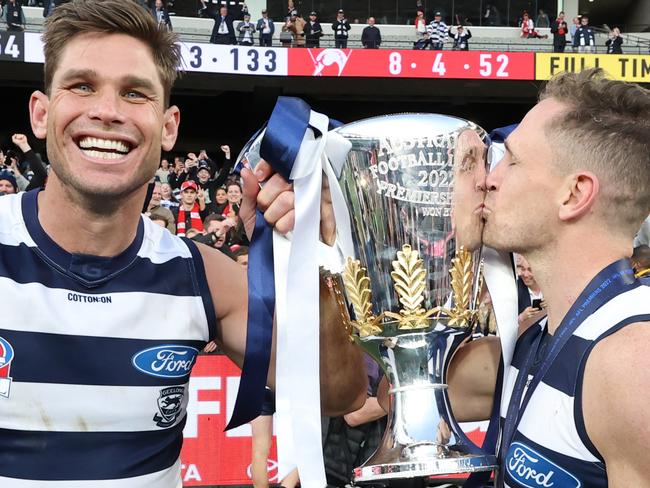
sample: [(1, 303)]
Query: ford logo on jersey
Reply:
[(168, 361), (531, 469)]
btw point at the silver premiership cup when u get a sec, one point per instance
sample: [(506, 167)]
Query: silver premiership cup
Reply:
[(414, 186)]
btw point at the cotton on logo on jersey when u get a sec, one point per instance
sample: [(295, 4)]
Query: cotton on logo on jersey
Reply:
[(533, 470), (6, 356), (168, 361)]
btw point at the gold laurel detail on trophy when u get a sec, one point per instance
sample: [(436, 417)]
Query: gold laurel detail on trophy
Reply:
[(410, 283), (357, 286), (462, 279)]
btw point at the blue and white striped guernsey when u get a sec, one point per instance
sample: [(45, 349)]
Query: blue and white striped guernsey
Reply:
[(95, 356), (550, 447)]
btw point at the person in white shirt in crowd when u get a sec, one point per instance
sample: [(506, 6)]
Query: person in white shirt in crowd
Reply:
[(420, 26), (532, 307), (266, 29), (246, 30), (461, 38), (341, 28), (162, 173)]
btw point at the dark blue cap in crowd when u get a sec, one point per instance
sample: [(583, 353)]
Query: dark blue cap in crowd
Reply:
[(6, 175)]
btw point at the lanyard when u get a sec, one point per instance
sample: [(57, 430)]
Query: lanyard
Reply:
[(611, 281)]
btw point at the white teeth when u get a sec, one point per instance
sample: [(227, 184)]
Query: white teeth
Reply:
[(111, 145), (101, 154)]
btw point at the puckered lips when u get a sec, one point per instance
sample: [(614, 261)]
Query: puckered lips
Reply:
[(104, 149)]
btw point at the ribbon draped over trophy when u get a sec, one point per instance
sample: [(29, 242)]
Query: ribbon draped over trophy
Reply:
[(283, 281)]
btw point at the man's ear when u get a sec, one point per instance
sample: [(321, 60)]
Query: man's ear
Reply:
[(170, 127), (579, 196), (39, 104)]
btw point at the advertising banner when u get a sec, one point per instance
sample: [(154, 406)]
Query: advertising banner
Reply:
[(625, 67)]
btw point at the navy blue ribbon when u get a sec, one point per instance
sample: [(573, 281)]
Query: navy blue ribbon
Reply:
[(279, 147), (610, 282)]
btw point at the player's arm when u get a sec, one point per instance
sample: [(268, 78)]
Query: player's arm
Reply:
[(471, 377), (615, 399), (342, 371)]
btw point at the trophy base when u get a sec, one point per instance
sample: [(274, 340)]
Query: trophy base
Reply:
[(468, 463)]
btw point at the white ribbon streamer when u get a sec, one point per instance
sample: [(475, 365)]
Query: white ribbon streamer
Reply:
[(298, 415), (500, 280)]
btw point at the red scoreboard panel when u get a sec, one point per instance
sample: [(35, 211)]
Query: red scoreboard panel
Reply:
[(384, 63)]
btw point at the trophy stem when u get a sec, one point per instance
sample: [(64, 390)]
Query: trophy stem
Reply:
[(422, 437)]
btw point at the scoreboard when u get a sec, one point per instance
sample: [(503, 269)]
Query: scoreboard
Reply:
[(368, 63)]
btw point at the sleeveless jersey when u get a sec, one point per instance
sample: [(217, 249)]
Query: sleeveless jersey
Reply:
[(550, 446), (95, 355)]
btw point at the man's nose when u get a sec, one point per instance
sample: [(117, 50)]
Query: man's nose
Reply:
[(107, 108)]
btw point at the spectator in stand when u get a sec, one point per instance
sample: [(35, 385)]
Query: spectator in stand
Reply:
[(341, 28), (191, 212), (313, 31), (575, 23), (8, 185), (528, 28), (461, 38), (246, 30), (438, 32), (223, 31), (177, 175), (155, 208), (614, 42), (559, 30), (584, 40), (221, 206), (542, 20), (266, 29), (167, 200), (34, 164), (420, 26), (299, 30), (371, 36), (13, 15), (233, 189), (287, 33), (532, 307), (160, 13), (162, 173)]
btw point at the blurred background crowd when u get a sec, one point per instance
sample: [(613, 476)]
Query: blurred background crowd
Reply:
[(433, 26)]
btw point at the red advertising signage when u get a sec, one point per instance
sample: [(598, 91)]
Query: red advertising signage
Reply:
[(386, 63), (211, 456)]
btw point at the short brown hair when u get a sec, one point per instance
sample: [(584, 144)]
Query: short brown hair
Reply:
[(607, 131), (110, 17)]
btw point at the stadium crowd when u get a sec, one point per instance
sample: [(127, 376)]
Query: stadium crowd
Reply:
[(196, 196), (236, 26)]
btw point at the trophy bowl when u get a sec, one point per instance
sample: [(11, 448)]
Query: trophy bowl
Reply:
[(414, 187)]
